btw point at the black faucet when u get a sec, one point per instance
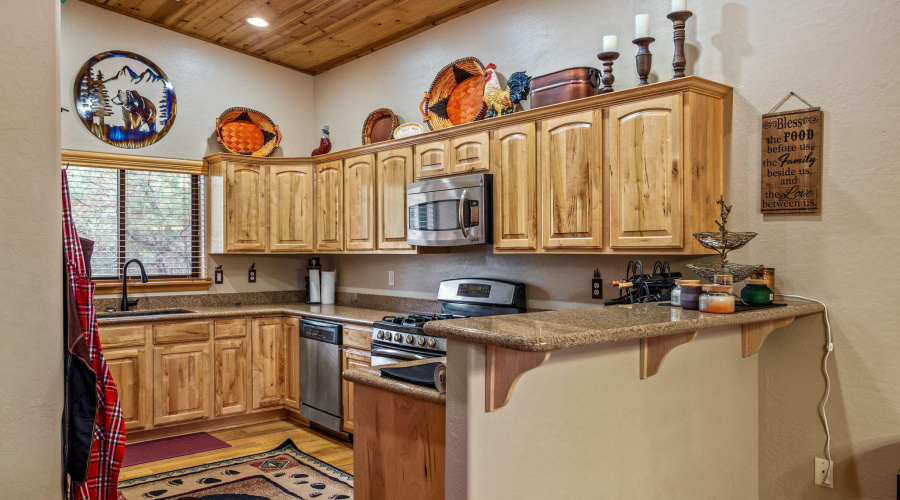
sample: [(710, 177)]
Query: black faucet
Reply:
[(125, 302)]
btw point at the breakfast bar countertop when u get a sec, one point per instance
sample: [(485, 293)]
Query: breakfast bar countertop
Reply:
[(327, 312), (554, 330)]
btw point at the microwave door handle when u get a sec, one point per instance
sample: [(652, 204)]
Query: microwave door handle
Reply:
[(462, 206), (380, 351)]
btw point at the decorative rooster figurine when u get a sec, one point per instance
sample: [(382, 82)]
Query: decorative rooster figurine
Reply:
[(324, 143), (501, 102)]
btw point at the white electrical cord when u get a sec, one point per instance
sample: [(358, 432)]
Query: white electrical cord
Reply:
[(829, 347)]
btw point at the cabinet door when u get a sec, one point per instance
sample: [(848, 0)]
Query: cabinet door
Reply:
[(266, 360), (291, 216), (232, 377), (359, 202), (329, 203), (432, 159), (570, 182), (181, 383), (352, 358), (646, 173), (292, 362), (515, 188), (245, 208), (470, 153), (394, 170), (131, 370)]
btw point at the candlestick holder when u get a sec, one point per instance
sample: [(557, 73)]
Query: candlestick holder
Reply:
[(679, 18), (608, 78), (644, 58)]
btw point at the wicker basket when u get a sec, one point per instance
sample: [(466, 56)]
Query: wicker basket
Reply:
[(717, 240), (379, 126), (245, 131), (456, 95)]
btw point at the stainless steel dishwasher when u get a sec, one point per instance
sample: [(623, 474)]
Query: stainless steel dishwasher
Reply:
[(320, 372)]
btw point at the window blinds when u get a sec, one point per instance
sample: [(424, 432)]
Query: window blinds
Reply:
[(156, 217)]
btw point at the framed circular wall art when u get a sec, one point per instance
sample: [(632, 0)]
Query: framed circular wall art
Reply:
[(124, 99)]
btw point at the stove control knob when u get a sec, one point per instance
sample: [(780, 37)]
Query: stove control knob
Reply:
[(381, 334), (409, 339), (431, 343), (421, 340), (398, 337)]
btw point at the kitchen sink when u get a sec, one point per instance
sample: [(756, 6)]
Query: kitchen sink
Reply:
[(131, 314)]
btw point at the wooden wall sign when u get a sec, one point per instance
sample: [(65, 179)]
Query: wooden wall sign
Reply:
[(791, 161)]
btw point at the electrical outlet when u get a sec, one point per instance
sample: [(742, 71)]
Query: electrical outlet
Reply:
[(391, 278), (824, 473)]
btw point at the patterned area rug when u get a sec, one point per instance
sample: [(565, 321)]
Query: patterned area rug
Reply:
[(285, 473)]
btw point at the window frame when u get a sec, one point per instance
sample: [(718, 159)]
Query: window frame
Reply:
[(157, 283)]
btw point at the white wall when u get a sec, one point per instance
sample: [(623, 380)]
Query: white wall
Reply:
[(31, 331), (841, 55)]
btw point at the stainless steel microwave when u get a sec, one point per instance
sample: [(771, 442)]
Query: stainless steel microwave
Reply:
[(449, 212)]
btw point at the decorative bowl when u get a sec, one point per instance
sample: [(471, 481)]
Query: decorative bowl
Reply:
[(408, 130), (740, 272), (245, 131), (379, 126), (717, 240), (456, 95)]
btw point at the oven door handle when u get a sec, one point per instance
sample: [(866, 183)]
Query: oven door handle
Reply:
[(394, 353), (462, 206)]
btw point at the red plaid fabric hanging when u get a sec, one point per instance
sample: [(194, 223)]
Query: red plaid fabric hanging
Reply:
[(108, 445)]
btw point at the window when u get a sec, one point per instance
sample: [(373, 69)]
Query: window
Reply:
[(155, 217)]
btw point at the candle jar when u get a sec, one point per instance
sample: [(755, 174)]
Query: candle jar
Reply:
[(717, 299), (675, 296), (757, 292), (690, 296)]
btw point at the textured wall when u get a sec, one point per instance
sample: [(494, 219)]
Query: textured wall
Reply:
[(840, 55), (31, 336), (207, 79)]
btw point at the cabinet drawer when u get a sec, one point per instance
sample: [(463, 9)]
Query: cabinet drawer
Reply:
[(123, 336), (470, 153), (230, 328), (169, 333), (358, 338)]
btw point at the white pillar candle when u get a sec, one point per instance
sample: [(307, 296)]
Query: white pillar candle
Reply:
[(642, 25), (679, 5), (609, 43)]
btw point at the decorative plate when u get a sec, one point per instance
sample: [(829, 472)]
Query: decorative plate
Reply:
[(124, 99), (245, 131), (408, 130), (379, 126), (456, 95)]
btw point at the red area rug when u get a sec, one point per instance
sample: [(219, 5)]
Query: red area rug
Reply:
[(161, 449)]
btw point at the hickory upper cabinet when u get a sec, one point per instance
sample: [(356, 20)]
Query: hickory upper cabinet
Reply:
[(291, 218), (245, 208), (329, 206), (646, 189), (571, 180), (515, 188), (359, 203), (458, 155), (393, 171)]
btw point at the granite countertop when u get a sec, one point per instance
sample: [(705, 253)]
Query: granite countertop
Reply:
[(371, 376), (328, 312), (554, 330)]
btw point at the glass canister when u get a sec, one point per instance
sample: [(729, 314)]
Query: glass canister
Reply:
[(690, 296), (717, 299), (675, 296), (757, 292), (723, 279)]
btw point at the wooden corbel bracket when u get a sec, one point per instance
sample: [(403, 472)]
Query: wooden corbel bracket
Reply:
[(655, 349), (754, 334), (503, 368)]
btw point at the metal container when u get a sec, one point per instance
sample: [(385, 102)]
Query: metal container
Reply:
[(565, 85), (767, 273)]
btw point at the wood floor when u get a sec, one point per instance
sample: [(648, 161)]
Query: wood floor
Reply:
[(255, 439)]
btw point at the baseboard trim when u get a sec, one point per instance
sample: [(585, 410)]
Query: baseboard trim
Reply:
[(207, 425)]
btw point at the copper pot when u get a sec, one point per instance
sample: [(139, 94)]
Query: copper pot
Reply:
[(565, 85)]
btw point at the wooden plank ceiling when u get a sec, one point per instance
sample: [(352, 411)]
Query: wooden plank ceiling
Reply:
[(311, 36)]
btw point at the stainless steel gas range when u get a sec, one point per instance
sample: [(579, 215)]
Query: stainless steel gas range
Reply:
[(402, 338)]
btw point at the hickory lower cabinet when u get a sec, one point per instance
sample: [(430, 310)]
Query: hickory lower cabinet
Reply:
[(182, 383), (132, 369), (398, 446), (267, 361)]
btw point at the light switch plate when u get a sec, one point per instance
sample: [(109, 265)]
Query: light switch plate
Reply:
[(391, 278)]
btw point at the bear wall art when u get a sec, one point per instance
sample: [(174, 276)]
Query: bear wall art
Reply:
[(124, 99)]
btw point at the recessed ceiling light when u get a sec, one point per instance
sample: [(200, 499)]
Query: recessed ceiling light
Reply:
[(258, 21)]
